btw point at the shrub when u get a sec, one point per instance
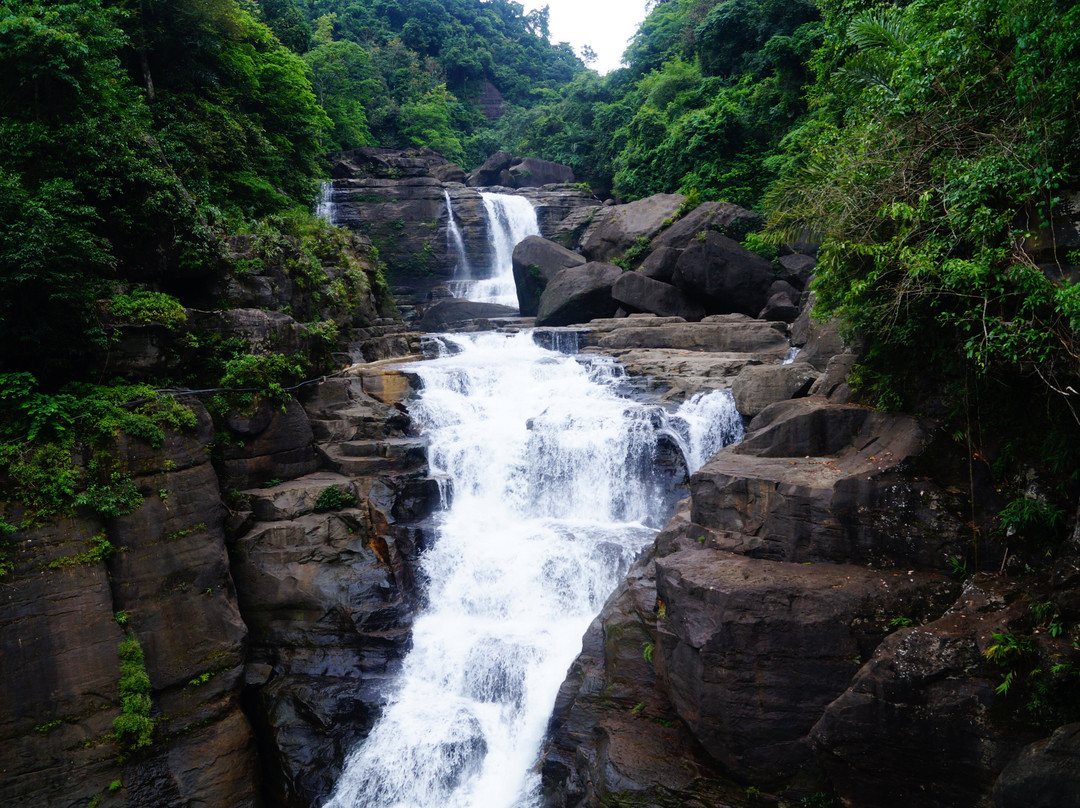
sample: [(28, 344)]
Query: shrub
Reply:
[(334, 499)]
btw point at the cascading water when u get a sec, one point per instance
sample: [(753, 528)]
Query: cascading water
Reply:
[(455, 242), (510, 219), (555, 488), (325, 207)]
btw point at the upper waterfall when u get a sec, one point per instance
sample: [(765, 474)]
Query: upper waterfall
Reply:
[(510, 219)]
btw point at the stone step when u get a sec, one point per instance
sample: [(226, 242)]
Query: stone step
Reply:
[(365, 458)]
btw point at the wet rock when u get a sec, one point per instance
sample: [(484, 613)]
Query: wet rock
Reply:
[(536, 263), (273, 442), (638, 293), (578, 294), (454, 311), (615, 229)]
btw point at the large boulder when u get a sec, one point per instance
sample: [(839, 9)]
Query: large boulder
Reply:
[(617, 228), (724, 274), (490, 173), (752, 651), (454, 311), (818, 481), (529, 172), (579, 294), (638, 293), (669, 245), (1045, 775), (536, 263)]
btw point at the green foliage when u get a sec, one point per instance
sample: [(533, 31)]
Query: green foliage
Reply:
[(647, 649), (133, 727), (99, 550), (635, 254), (142, 307), (254, 378), (334, 499), (1033, 521)]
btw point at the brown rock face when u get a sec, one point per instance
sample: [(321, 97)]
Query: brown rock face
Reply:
[(753, 651)]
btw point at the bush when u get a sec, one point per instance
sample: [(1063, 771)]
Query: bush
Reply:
[(334, 499), (134, 727)]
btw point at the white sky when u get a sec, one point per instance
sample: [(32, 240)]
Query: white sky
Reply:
[(604, 25)]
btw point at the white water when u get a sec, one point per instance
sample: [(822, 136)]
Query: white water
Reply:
[(455, 242), (554, 486), (325, 208), (510, 219)]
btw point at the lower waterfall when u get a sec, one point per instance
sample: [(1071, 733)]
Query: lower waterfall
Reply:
[(553, 488)]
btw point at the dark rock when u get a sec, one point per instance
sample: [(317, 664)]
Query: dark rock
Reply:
[(817, 481), (275, 443), (450, 172), (578, 294), (669, 245), (920, 715), (490, 101), (1044, 775), (752, 652), (779, 307), (726, 276), (615, 229), (638, 293), (758, 386), (455, 311), (529, 172), (488, 173), (536, 263), (797, 269)]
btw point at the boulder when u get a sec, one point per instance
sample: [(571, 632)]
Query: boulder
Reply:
[(617, 228), (454, 311), (536, 263), (797, 269), (1044, 775), (758, 386), (818, 481), (724, 274), (669, 245), (752, 652), (489, 173), (529, 172), (922, 714), (638, 293), (579, 294), (780, 308), (451, 172)]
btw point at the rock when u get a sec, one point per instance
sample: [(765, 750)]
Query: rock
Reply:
[(578, 294), (817, 481), (669, 245), (536, 262), (489, 172), (455, 311), (758, 386), (715, 333), (614, 737), (920, 715), (490, 101), (779, 307), (638, 293), (276, 442), (451, 172), (529, 172), (797, 269), (1044, 775), (615, 229), (752, 652), (724, 274)]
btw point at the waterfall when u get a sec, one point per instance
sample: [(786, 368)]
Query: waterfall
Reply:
[(555, 488), (455, 242), (510, 219), (325, 208)]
